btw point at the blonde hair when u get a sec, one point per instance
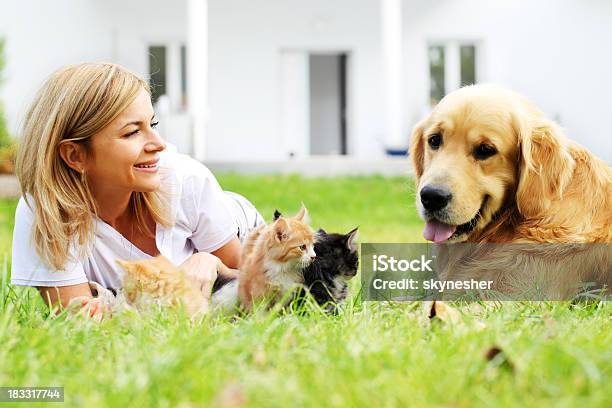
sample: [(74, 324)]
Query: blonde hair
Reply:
[(76, 102)]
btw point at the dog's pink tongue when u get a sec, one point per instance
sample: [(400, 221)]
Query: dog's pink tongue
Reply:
[(437, 231)]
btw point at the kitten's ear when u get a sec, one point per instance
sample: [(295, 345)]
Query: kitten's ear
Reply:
[(277, 215), (351, 238), (281, 230), (321, 231), (302, 215)]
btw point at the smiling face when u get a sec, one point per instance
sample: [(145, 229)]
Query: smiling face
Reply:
[(124, 155), (465, 156)]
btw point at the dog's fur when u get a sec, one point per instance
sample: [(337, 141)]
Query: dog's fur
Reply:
[(539, 186)]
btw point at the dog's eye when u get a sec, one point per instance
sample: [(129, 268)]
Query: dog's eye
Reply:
[(435, 141), (484, 151), (303, 247)]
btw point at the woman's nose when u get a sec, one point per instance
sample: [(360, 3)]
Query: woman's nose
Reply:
[(155, 142)]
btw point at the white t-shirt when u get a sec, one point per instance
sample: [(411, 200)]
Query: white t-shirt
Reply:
[(203, 223)]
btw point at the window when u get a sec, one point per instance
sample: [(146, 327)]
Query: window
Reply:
[(436, 73), (451, 66), (168, 75), (183, 77), (468, 64), (157, 71)]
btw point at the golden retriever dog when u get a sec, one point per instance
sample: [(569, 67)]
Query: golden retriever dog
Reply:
[(490, 168)]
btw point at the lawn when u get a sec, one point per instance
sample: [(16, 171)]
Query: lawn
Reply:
[(372, 354)]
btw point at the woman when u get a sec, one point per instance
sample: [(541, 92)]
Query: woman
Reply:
[(99, 184)]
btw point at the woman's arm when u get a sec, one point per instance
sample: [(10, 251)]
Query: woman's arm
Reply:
[(230, 253), (73, 297), (53, 295)]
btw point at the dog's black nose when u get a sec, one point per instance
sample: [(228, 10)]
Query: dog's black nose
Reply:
[(435, 198)]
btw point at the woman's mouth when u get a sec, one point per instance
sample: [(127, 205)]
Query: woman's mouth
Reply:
[(147, 167)]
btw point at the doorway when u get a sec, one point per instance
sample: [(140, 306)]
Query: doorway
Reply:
[(328, 100)]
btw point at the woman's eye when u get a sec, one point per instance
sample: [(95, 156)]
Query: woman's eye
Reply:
[(435, 141), (153, 126), (131, 133), (303, 247), (484, 151)]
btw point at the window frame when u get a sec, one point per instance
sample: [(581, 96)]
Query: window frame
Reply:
[(452, 63)]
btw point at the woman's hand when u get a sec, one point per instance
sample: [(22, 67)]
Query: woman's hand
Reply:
[(92, 307), (203, 268), (75, 299)]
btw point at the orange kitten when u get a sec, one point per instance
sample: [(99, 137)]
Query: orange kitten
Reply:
[(158, 280), (273, 259)]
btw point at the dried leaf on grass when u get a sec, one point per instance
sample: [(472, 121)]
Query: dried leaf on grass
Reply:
[(443, 311), (498, 358)]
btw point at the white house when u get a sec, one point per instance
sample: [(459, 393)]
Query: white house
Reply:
[(256, 80)]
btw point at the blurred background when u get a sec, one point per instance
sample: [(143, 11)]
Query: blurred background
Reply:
[(327, 85)]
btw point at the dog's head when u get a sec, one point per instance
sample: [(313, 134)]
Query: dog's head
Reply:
[(482, 150)]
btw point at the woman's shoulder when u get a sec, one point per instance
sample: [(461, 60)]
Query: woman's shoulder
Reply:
[(24, 210), (28, 268), (24, 218)]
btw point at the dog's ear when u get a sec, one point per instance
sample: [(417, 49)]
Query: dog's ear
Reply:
[(545, 166), (416, 150)]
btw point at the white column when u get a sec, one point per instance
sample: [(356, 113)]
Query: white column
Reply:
[(391, 24), (197, 73)]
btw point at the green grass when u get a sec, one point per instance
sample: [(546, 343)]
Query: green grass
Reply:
[(371, 354)]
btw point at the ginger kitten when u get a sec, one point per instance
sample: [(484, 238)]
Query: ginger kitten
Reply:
[(273, 259), (157, 280)]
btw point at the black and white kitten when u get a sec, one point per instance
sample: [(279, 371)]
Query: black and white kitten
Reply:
[(336, 262)]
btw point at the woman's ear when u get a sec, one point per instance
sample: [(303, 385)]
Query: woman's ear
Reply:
[(545, 167), (74, 155), (416, 150)]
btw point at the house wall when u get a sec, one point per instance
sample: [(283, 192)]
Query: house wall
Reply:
[(246, 39), (40, 39), (137, 24), (556, 52), (42, 36)]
